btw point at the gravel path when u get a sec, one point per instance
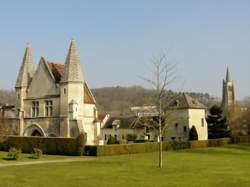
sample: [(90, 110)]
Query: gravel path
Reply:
[(24, 163)]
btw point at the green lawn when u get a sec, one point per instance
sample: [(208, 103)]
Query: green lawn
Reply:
[(225, 166)]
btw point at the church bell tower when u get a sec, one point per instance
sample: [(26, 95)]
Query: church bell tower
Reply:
[(228, 97)]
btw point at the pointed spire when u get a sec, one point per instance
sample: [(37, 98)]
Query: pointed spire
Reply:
[(73, 71), (27, 69), (228, 76)]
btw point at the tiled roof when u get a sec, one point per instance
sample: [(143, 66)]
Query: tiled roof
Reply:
[(101, 116), (88, 97), (58, 70)]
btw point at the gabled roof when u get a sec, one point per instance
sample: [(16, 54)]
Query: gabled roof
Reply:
[(185, 101), (58, 71)]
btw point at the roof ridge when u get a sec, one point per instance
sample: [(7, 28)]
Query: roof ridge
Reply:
[(55, 63)]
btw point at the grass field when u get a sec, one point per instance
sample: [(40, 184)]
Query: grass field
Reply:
[(224, 166)]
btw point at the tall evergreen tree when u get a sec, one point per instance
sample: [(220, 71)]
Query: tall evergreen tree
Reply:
[(217, 123)]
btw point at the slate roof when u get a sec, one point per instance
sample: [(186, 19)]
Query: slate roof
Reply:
[(185, 101), (124, 122)]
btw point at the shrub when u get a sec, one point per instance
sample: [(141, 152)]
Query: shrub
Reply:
[(13, 154), (112, 140), (81, 142), (37, 153), (193, 135)]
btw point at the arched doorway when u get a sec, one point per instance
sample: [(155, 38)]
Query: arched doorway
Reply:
[(34, 130), (36, 133)]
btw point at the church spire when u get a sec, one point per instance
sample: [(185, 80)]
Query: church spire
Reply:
[(228, 99), (73, 71), (228, 76), (27, 69)]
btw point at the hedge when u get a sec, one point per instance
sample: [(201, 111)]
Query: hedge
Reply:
[(209, 143), (53, 146), (241, 139), (72, 146), (118, 149)]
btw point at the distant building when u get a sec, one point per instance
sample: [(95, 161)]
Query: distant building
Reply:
[(55, 100), (183, 114), (122, 127), (228, 94)]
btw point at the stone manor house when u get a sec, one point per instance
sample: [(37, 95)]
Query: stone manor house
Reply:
[(54, 100)]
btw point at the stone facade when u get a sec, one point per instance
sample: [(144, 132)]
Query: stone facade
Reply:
[(54, 100), (186, 112)]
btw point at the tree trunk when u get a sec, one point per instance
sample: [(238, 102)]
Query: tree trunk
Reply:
[(160, 136), (160, 153)]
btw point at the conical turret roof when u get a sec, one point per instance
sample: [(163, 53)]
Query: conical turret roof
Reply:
[(27, 69), (73, 70), (228, 76)]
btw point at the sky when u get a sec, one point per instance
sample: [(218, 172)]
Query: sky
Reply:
[(117, 39)]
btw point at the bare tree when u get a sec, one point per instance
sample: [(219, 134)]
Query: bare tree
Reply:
[(164, 73)]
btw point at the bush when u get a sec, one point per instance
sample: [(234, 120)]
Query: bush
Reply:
[(193, 135), (37, 153), (112, 140), (81, 142), (13, 154)]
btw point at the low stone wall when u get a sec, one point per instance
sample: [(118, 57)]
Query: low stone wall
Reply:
[(53, 146)]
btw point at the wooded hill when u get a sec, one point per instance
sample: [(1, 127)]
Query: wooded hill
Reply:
[(119, 99)]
